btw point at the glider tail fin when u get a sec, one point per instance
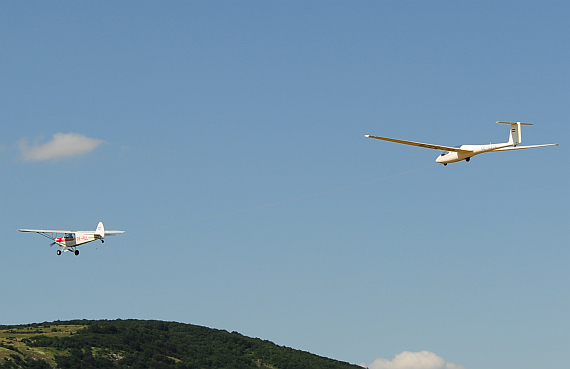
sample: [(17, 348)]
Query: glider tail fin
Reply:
[(515, 137), (100, 232), (515, 134)]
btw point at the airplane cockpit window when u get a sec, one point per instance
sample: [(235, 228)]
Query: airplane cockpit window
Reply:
[(445, 153)]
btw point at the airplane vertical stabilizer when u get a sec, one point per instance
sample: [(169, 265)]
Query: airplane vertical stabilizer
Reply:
[(100, 230)]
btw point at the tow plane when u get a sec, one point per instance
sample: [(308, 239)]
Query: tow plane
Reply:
[(71, 239), (466, 152)]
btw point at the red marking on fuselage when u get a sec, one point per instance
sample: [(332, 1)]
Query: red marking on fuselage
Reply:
[(61, 239)]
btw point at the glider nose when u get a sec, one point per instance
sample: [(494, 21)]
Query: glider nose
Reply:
[(443, 159)]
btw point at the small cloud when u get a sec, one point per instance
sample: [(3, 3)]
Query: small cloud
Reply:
[(63, 145), (413, 360)]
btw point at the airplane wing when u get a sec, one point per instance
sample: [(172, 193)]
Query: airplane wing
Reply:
[(60, 231), (523, 147), (44, 231), (429, 146)]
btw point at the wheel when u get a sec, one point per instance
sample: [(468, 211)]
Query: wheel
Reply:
[(444, 164), (467, 160), (59, 252), (76, 252), (102, 241)]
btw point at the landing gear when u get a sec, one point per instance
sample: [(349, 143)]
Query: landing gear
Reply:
[(467, 159), (444, 164), (68, 249), (102, 241)]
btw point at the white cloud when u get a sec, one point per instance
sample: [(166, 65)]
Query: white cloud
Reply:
[(413, 360), (63, 145)]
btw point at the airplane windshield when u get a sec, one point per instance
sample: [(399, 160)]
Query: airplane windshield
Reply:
[(444, 153)]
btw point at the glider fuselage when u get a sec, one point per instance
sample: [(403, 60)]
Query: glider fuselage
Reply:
[(470, 151)]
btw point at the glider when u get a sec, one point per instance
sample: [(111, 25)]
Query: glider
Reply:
[(72, 239), (466, 152)]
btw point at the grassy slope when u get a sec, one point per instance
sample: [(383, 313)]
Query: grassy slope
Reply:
[(12, 337), (113, 342)]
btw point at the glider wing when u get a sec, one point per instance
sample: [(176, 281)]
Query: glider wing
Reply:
[(429, 146), (523, 147)]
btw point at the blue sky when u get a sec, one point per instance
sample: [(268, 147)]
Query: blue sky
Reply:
[(214, 132)]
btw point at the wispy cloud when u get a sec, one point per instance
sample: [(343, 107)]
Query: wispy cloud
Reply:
[(63, 145), (413, 360)]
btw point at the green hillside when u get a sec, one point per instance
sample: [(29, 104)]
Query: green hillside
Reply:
[(84, 344)]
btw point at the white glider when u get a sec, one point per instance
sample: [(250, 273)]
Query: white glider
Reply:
[(466, 152), (72, 239)]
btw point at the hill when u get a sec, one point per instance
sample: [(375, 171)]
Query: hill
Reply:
[(86, 344)]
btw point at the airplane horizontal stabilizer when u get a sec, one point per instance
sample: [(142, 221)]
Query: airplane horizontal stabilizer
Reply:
[(110, 233)]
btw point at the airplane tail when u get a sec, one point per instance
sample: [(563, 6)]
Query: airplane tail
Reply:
[(100, 231), (515, 134)]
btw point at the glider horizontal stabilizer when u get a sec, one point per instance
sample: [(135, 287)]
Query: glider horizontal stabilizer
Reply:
[(522, 124)]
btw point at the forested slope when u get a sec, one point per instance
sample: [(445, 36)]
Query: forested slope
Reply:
[(145, 344)]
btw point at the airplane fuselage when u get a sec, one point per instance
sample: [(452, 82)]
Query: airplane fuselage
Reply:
[(75, 239)]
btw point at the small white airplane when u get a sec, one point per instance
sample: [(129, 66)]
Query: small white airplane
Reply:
[(72, 239), (466, 152)]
